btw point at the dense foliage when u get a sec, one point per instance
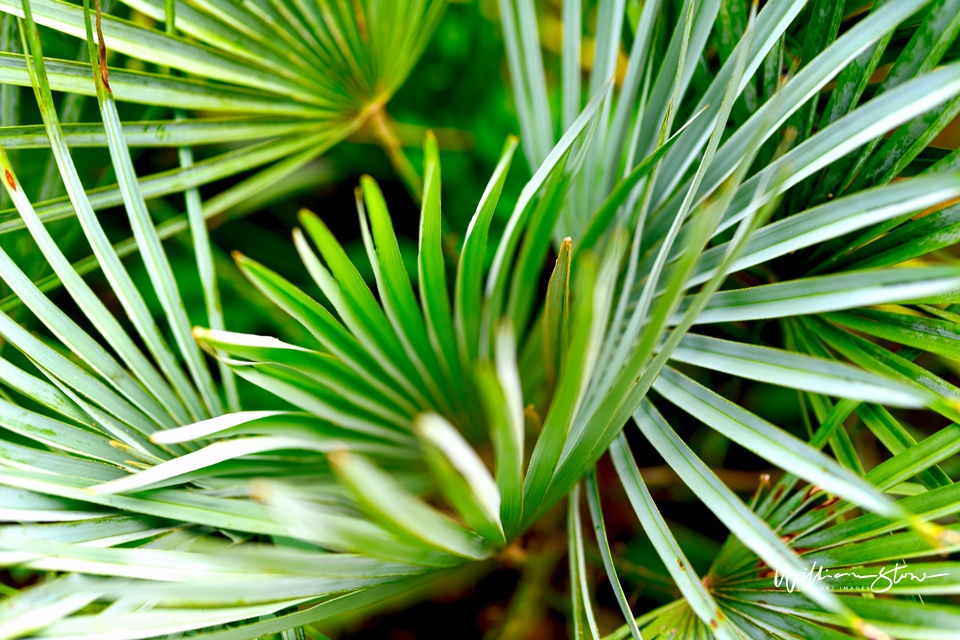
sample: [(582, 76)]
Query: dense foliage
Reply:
[(702, 343)]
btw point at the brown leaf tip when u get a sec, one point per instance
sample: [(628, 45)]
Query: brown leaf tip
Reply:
[(102, 51), (829, 503)]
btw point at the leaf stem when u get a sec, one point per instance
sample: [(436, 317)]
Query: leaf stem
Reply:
[(385, 131)]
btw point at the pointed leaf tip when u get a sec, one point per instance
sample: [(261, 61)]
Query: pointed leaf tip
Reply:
[(305, 215), (259, 489), (339, 458)]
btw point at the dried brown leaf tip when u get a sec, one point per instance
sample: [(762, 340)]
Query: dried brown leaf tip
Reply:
[(777, 493), (812, 491), (829, 503), (102, 50)]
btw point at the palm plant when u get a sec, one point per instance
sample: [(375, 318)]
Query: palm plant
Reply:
[(707, 213), (263, 89)]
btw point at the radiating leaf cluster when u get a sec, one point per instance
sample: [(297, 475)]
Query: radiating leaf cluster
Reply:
[(809, 235)]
